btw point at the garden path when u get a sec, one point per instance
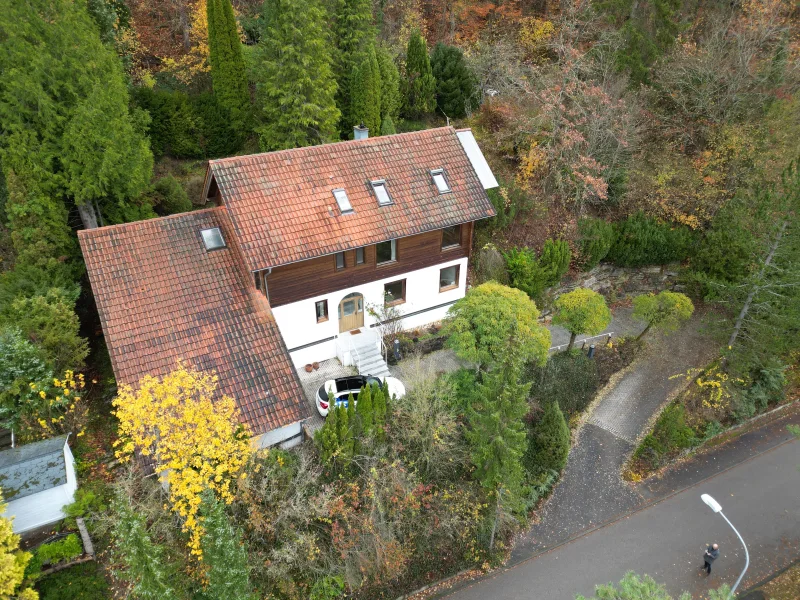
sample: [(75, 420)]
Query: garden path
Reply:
[(591, 490)]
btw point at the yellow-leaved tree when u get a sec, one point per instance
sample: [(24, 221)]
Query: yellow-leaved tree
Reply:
[(12, 562), (190, 432)]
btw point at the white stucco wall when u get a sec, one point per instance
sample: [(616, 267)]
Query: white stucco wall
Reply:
[(298, 324), (45, 507)]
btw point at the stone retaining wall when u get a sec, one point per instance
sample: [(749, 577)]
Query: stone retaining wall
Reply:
[(618, 282)]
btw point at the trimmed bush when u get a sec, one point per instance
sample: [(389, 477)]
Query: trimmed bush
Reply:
[(641, 240), (533, 275), (548, 441), (596, 237)]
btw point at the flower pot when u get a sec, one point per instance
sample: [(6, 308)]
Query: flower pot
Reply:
[(309, 368), (315, 365)]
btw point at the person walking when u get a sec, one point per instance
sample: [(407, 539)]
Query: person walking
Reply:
[(711, 554)]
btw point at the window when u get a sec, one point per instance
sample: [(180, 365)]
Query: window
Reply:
[(322, 311), (339, 260), (395, 292), (451, 236), (448, 278), (359, 256), (440, 180), (386, 252), (212, 238), (381, 193), (342, 200)]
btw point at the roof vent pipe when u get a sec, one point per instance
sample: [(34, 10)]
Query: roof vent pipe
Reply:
[(360, 132)]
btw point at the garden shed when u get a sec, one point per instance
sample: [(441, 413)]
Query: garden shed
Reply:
[(37, 481)]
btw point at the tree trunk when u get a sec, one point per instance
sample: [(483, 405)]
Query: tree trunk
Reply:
[(646, 329), (755, 289), (496, 519), (88, 215), (572, 337)]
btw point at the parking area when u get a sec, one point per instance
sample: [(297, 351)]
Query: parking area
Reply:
[(328, 369)]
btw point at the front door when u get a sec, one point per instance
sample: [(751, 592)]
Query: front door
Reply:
[(351, 312)]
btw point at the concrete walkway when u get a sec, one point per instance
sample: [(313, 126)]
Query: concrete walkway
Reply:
[(591, 490), (666, 540)]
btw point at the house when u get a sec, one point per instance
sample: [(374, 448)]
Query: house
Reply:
[(282, 270), (38, 481)]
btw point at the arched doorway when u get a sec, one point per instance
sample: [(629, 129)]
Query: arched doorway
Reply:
[(351, 312)]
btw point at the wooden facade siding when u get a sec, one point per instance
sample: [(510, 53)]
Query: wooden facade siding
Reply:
[(317, 276)]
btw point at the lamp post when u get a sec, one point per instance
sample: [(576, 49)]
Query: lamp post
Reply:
[(715, 506)]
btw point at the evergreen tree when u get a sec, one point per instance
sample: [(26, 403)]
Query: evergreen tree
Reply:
[(550, 439), (419, 85), (344, 433), (64, 108), (390, 91), (366, 411), (40, 235), (144, 562), (327, 437), (365, 93), (227, 64), (353, 32), (350, 441), (387, 126), (296, 87), (496, 432), (455, 84), (224, 554)]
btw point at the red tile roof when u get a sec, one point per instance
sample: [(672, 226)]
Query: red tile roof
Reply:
[(283, 210), (161, 296)]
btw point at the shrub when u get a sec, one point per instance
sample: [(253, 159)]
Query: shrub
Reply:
[(86, 502), (569, 380), (767, 387), (596, 237), (671, 433), (641, 240), (548, 442), (524, 272), (169, 197), (84, 581), (554, 261), (53, 553)]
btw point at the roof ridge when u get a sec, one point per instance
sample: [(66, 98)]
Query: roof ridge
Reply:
[(367, 141), (117, 226)]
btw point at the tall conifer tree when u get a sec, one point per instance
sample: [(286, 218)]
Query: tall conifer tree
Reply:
[(223, 554), (227, 64), (64, 109), (296, 86), (419, 85), (455, 85), (353, 32), (365, 93), (390, 91)]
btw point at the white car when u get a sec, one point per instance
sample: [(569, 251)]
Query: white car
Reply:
[(344, 386)]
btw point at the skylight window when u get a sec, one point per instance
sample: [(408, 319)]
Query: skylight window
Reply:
[(440, 180), (212, 238), (381, 193), (343, 201)]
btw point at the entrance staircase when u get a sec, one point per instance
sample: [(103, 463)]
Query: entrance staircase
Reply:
[(370, 362)]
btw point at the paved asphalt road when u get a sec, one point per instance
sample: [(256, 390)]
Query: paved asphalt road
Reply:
[(666, 540)]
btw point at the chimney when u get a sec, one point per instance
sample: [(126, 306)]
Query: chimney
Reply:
[(360, 132)]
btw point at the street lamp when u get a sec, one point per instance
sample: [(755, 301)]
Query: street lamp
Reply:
[(715, 506)]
